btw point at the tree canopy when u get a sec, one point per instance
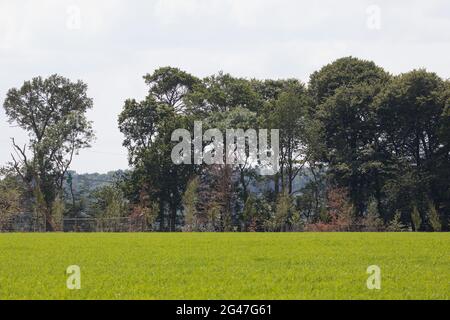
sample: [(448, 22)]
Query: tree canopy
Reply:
[(360, 150)]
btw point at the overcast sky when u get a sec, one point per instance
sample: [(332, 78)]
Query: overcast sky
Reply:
[(111, 44)]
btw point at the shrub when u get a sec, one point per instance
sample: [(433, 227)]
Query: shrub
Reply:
[(395, 225), (372, 221), (340, 209), (433, 217), (415, 218), (282, 211), (190, 200)]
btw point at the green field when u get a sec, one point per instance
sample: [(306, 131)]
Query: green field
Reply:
[(225, 266)]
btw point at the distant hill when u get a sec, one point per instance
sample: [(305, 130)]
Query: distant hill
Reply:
[(84, 184)]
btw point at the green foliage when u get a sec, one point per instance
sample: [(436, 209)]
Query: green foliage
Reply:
[(53, 112), (190, 201), (381, 140), (296, 222), (58, 210), (416, 219), (10, 200), (290, 113), (350, 134), (169, 86), (378, 137), (343, 92), (109, 202), (249, 213), (138, 123), (344, 72), (256, 213), (433, 217), (410, 109), (395, 225), (311, 202), (372, 220), (147, 127), (223, 92), (151, 214), (411, 116), (213, 216), (283, 211)]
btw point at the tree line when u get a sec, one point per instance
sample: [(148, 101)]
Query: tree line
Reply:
[(360, 150)]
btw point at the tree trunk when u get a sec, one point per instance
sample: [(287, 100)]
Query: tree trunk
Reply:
[(49, 223)]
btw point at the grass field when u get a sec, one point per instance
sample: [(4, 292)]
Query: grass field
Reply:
[(225, 266)]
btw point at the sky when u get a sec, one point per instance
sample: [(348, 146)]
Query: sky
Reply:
[(111, 44)]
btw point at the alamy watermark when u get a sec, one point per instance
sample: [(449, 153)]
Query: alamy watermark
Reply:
[(74, 277), (374, 279), (373, 21), (237, 147), (73, 21)]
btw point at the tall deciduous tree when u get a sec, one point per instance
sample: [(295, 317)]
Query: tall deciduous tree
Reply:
[(344, 92), (290, 115), (53, 112), (147, 127), (412, 120)]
